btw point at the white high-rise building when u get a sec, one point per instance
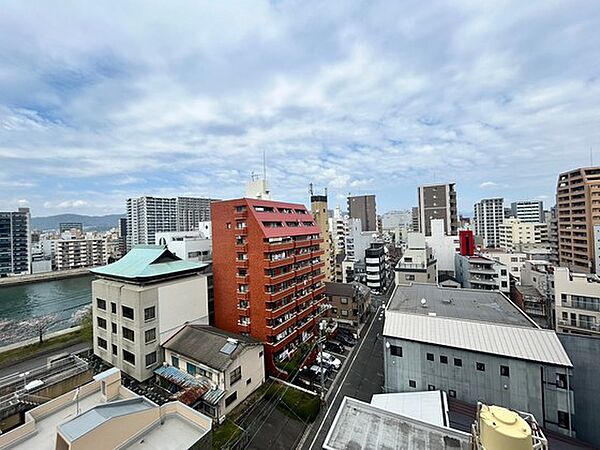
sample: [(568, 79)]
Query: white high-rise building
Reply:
[(443, 246), (489, 215), (528, 211)]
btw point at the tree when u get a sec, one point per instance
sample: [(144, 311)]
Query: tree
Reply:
[(83, 318), (40, 324)]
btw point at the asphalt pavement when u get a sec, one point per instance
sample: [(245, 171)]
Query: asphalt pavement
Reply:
[(39, 361)]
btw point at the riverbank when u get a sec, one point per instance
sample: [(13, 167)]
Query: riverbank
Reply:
[(46, 276)]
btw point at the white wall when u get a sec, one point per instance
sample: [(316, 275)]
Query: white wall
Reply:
[(443, 247)]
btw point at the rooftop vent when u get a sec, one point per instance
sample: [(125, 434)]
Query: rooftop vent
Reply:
[(424, 303)]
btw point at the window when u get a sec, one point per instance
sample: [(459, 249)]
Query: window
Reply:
[(248, 381), (409, 277), (481, 367), (228, 225), (114, 350), (127, 312), (235, 375), (344, 300), (128, 334), (113, 327), (504, 284), (101, 304), (101, 322), (563, 419), (458, 362), (452, 393), (430, 357), (102, 343), (150, 359), (344, 312), (149, 313), (430, 387), (443, 359), (561, 381), (395, 350), (175, 361), (260, 354), (191, 369), (412, 383), (128, 357), (504, 371), (232, 398), (150, 335), (503, 272), (113, 307)]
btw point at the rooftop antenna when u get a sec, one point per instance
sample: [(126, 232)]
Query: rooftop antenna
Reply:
[(310, 189), (325, 192)]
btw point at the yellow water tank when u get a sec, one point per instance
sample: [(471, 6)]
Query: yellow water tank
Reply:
[(503, 429)]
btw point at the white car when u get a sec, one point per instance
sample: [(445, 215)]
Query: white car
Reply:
[(329, 359)]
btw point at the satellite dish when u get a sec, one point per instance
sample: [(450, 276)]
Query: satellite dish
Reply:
[(423, 302)]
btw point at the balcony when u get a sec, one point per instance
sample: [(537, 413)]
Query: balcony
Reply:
[(241, 278), (279, 246), (243, 305), (272, 313), (239, 215), (303, 257), (281, 294), (305, 326), (244, 327), (318, 253), (304, 313), (242, 295), (319, 265), (319, 277), (302, 244), (303, 270), (271, 264), (482, 270), (304, 298), (276, 279), (282, 342), (318, 291), (317, 241), (241, 263), (283, 325), (242, 248), (241, 231)]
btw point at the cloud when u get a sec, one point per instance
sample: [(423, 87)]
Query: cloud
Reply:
[(99, 103)]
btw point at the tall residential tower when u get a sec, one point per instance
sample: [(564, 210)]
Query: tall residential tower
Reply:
[(438, 201), (489, 215), (363, 207), (15, 242)]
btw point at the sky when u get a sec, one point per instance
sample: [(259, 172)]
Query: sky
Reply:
[(101, 101)]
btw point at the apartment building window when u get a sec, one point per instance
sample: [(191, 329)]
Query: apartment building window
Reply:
[(344, 313), (430, 387), (128, 357), (128, 334), (452, 393), (150, 359), (561, 380), (175, 361), (113, 307), (504, 371), (232, 398), (480, 366), (409, 277), (412, 383), (235, 375), (430, 357), (113, 327), (150, 335), (344, 300), (101, 322), (127, 312), (102, 343), (101, 304), (458, 362), (114, 350), (443, 359), (563, 419), (149, 313), (191, 369), (395, 350)]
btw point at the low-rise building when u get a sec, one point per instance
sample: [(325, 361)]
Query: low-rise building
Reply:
[(576, 302), (476, 346), (517, 235), (79, 253), (140, 301), (187, 245), (214, 370), (514, 261), (479, 272), (418, 263), (349, 303)]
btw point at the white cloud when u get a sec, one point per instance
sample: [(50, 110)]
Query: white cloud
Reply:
[(488, 184)]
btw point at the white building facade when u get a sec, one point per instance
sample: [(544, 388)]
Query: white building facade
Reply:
[(488, 216), (443, 246)]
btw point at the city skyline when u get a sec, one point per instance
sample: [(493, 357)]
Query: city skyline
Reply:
[(182, 102)]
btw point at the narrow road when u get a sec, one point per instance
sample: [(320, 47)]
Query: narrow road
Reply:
[(38, 361)]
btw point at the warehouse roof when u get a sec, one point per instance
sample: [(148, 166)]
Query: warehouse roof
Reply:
[(527, 343), (471, 304)]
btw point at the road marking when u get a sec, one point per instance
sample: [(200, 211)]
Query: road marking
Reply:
[(340, 386)]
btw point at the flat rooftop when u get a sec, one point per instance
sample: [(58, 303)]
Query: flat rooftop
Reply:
[(174, 432), (359, 425), (468, 304)]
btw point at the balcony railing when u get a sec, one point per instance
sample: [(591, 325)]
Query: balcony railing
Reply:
[(271, 264)]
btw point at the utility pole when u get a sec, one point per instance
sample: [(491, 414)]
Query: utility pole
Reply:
[(322, 325)]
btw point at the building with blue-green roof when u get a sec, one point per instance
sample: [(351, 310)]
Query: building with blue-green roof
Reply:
[(143, 299)]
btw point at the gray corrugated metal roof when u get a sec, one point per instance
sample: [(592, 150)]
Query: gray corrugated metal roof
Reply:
[(533, 344), (472, 304)]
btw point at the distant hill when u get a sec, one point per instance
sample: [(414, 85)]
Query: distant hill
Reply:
[(97, 223)]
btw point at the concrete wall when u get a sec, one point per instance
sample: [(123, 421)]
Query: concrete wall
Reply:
[(523, 389)]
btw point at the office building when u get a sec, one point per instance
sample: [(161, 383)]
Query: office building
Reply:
[(443, 246), (15, 242), (212, 369), (319, 210), (147, 216), (476, 345), (528, 211), (104, 414), (141, 300), (578, 212), (479, 272), (438, 201), (519, 236), (577, 302), (349, 303), (363, 207), (268, 274), (489, 215), (187, 245), (376, 267), (79, 253), (418, 263)]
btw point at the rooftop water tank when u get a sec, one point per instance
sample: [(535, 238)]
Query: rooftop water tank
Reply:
[(503, 429)]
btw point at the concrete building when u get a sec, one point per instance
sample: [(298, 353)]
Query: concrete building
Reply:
[(349, 303), (528, 211), (376, 267), (212, 368), (489, 215), (191, 211), (516, 235), (358, 241), (104, 414), (68, 226), (577, 302), (268, 274), (338, 226), (438, 201), (15, 242), (392, 220), (552, 224), (417, 263), (535, 294), (514, 261), (416, 226), (79, 253), (476, 346), (479, 272), (187, 245), (363, 207), (443, 246), (578, 211), (319, 210), (140, 301)]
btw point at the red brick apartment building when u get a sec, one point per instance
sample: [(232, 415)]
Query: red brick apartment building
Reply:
[(268, 274)]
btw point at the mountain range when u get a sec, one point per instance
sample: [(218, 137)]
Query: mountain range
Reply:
[(96, 223)]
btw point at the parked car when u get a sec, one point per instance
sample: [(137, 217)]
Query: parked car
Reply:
[(317, 370), (308, 378), (334, 347), (346, 340), (347, 333), (330, 360)]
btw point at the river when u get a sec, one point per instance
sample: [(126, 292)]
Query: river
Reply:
[(60, 297)]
